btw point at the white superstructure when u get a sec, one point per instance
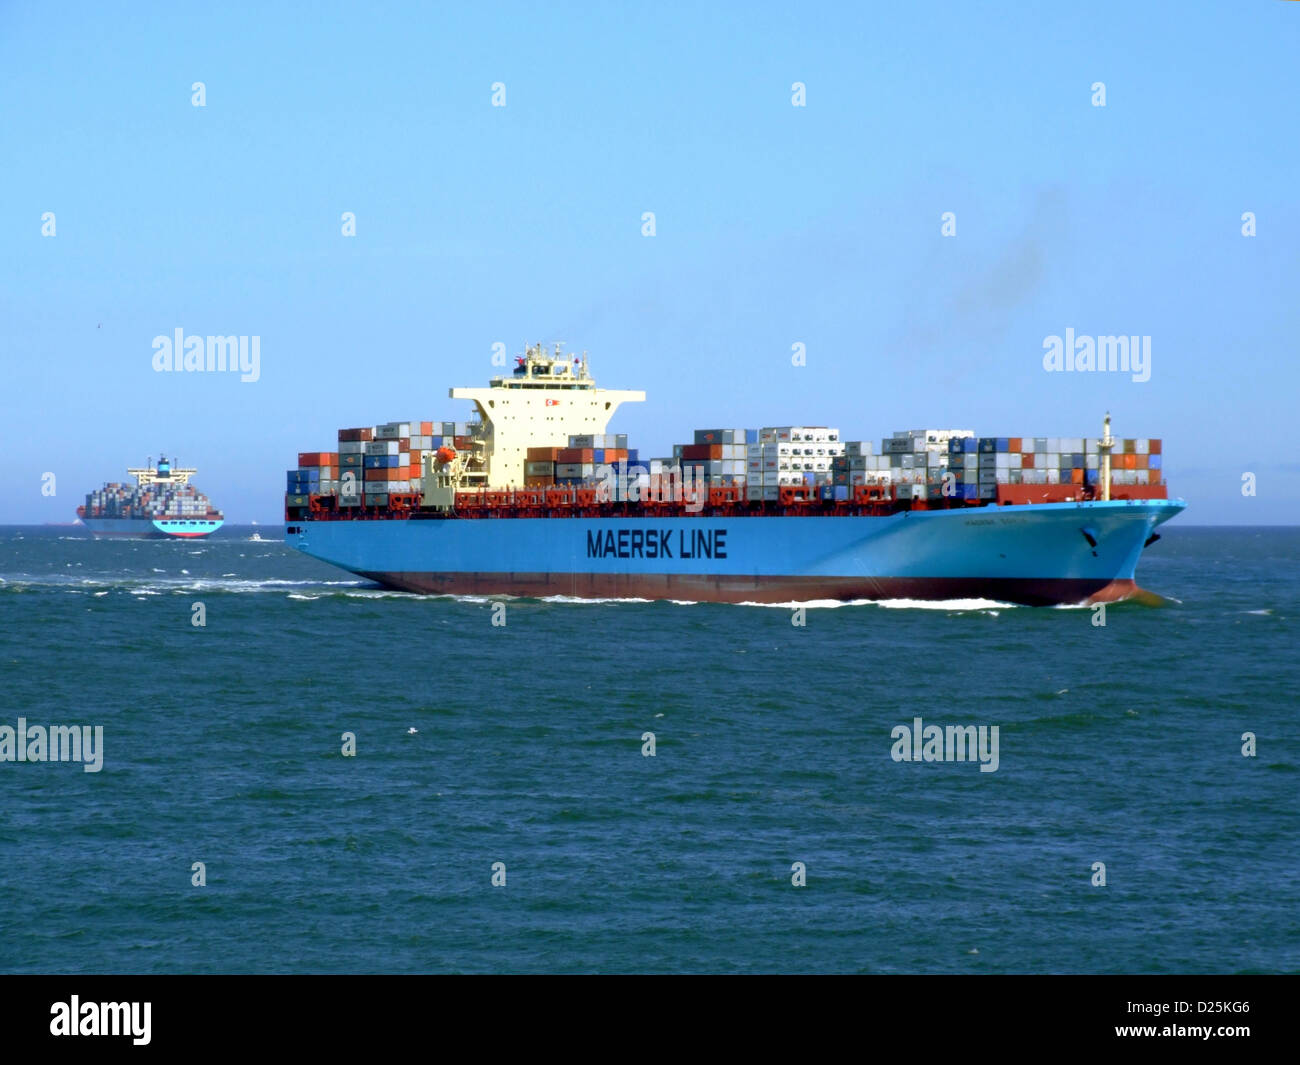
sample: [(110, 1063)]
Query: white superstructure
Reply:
[(546, 400)]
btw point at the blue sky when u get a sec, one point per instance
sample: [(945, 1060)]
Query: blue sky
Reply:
[(775, 225)]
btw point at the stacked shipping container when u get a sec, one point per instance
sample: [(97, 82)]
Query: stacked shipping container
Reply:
[(980, 465), (152, 501), (375, 462), (372, 462)]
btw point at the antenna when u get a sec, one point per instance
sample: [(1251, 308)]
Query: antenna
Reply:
[(1104, 446)]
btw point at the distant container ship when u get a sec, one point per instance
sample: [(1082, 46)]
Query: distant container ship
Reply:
[(162, 503), (534, 498)]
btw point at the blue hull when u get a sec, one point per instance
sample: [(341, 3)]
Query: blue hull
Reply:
[(152, 528), (1036, 554)]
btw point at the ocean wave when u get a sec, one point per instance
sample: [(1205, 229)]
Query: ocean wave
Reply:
[(580, 601), (176, 585)]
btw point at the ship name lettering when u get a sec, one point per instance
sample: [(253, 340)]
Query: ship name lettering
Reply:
[(629, 543)]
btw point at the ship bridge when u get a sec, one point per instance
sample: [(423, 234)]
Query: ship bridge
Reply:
[(547, 399), (164, 473)]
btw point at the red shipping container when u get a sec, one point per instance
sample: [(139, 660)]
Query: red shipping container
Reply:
[(543, 454), (1036, 493), (1155, 446), (353, 436), (701, 451), (1027, 461), (1141, 461), (463, 443), (403, 443), (314, 458), (575, 454)]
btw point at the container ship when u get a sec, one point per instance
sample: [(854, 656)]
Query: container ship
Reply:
[(161, 503), (532, 497)]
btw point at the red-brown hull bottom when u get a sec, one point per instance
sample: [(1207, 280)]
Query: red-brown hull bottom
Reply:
[(1026, 591)]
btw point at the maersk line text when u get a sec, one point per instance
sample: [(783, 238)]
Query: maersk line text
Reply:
[(657, 543)]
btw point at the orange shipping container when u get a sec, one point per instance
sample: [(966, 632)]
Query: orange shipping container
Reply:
[(1141, 461), (543, 454), (313, 458), (1013, 443), (426, 428), (1076, 476)]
